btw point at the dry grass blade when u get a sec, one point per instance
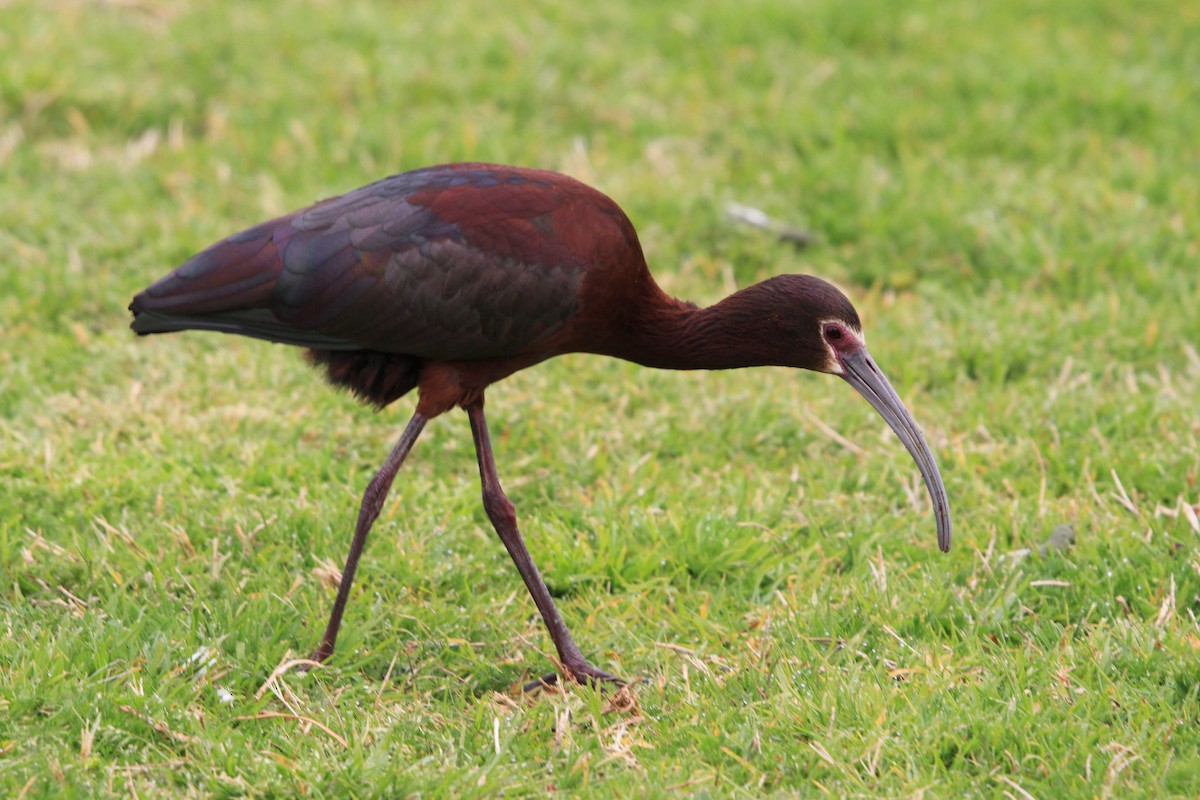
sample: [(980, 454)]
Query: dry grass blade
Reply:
[(689, 655), (161, 727), (328, 573), (1167, 609), (1123, 757), (820, 750), (623, 701), (1016, 787), (1189, 512), (1122, 496), (298, 718), (286, 665), (824, 428)]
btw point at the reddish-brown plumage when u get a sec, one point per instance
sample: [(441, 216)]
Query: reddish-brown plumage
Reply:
[(450, 278)]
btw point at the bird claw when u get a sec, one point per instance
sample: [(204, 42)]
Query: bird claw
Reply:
[(582, 673)]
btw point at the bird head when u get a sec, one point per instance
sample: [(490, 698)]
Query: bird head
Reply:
[(825, 335)]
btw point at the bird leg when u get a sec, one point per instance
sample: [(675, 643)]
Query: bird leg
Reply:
[(500, 511), (372, 504)]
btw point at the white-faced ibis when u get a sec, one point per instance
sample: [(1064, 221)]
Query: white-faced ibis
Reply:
[(450, 278)]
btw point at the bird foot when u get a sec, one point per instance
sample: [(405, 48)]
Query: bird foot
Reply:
[(582, 673)]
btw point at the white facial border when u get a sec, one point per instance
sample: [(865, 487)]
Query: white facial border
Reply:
[(833, 364)]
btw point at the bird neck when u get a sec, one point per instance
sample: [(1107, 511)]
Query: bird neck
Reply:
[(674, 334)]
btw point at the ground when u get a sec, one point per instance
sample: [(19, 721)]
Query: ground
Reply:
[(1008, 192)]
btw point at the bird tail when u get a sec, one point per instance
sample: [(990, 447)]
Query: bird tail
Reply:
[(226, 288)]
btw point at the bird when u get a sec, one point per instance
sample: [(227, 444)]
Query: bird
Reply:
[(450, 278)]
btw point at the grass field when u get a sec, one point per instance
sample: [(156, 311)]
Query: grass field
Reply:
[(1008, 191)]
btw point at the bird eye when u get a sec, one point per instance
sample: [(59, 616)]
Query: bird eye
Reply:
[(833, 332)]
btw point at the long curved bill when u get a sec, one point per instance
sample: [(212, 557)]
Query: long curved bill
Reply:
[(860, 371)]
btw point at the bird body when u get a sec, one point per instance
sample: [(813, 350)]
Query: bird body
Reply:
[(460, 263), (450, 278)]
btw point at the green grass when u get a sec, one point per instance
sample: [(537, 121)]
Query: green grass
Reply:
[(1008, 191)]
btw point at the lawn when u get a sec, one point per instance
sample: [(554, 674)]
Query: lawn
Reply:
[(1010, 193)]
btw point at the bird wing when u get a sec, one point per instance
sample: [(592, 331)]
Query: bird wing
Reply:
[(463, 261)]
